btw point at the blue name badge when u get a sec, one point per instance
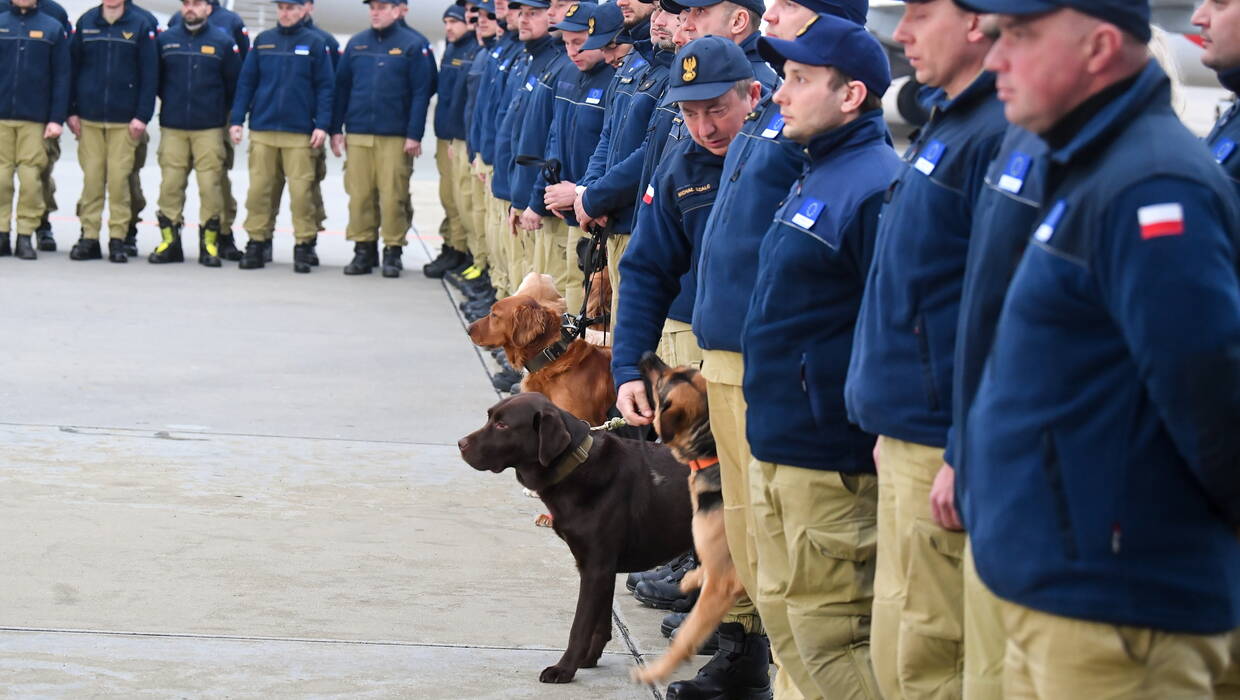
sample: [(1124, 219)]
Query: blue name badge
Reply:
[(529, 84), (301, 50), (773, 127), (1013, 177), (929, 157), (1046, 229), (594, 96), (808, 214), (1223, 150)]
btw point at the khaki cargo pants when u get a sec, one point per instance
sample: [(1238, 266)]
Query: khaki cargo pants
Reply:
[(52, 146), (481, 211), (203, 152), (984, 639), (229, 214), (452, 229), (107, 156), (678, 345), (550, 255), (724, 372), (916, 635), (1058, 658), (463, 194), (617, 243), (22, 153), (275, 156), (816, 534), (377, 180), (137, 200)]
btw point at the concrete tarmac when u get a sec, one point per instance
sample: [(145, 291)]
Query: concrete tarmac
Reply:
[(245, 484)]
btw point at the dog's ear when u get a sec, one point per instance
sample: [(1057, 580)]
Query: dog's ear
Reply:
[(651, 367), (528, 323), (553, 436)]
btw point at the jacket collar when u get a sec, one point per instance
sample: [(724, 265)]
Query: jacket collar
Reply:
[(466, 39), (662, 58), (126, 11), (750, 47), (303, 24), (639, 32), (983, 86), (1152, 87), (1230, 79), (536, 45), (386, 31), (867, 127)]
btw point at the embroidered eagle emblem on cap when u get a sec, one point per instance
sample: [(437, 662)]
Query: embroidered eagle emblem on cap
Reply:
[(591, 23), (808, 24), (690, 67), (572, 10)]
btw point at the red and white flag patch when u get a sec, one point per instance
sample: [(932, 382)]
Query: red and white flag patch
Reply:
[(649, 196), (1158, 220)]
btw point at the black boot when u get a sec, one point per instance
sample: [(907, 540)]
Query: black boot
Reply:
[(365, 257), (24, 250), (169, 249), (314, 251), (131, 242), (449, 258), (391, 261), (228, 247), (6, 248), (738, 671), (267, 246), (47, 242), (683, 562), (505, 378), (116, 250), (301, 257), (253, 258), (86, 249), (209, 244), (665, 593)]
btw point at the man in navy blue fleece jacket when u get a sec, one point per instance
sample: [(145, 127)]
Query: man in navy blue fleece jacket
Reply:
[(1103, 495), (460, 45), (1220, 33), (115, 77), (286, 90), (383, 91), (34, 101), (577, 120), (199, 65), (812, 470), (712, 81), (899, 382)]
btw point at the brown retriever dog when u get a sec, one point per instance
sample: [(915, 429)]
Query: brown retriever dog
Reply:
[(682, 420), (579, 380), (620, 505)]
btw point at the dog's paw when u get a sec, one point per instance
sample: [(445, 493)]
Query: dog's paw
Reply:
[(556, 674), (544, 520)]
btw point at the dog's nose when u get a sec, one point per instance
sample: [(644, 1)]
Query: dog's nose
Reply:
[(462, 444)]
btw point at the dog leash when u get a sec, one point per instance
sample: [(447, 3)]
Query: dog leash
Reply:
[(613, 424)]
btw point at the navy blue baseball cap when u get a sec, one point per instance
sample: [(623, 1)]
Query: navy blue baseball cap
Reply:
[(367, 2), (705, 69), (538, 4), (454, 11), (853, 10), (1133, 16), (485, 5), (291, 2), (671, 6), (576, 18), (827, 40), (608, 26), (754, 5)]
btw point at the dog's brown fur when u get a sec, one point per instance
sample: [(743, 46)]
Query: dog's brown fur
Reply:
[(579, 381), (682, 421), (626, 508), (599, 301)]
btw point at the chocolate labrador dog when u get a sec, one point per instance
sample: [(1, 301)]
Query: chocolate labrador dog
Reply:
[(621, 505)]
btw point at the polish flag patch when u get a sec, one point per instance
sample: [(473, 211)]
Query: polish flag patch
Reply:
[(1158, 220), (649, 196)]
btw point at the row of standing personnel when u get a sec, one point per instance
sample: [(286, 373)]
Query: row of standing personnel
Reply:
[(295, 86), (974, 408)]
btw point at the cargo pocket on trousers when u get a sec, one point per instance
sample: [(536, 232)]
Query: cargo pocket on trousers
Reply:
[(841, 566), (930, 653)]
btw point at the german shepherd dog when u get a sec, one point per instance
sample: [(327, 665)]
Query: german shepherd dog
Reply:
[(682, 420)]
